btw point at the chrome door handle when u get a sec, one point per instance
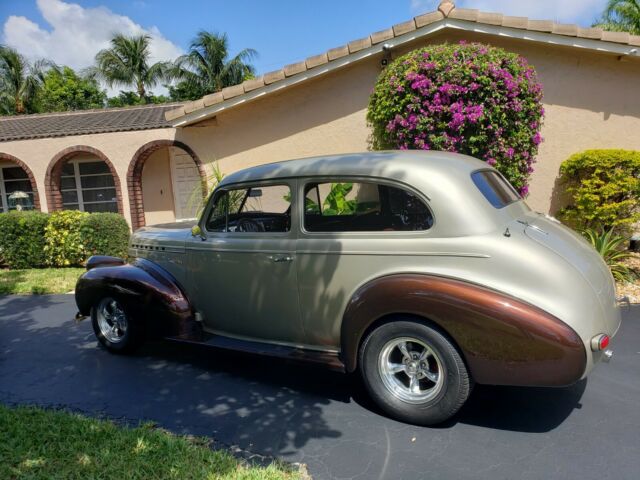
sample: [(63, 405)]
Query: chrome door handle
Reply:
[(281, 258)]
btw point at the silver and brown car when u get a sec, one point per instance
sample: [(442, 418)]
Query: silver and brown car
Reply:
[(425, 272)]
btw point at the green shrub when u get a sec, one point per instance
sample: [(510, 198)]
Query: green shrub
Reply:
[(604, 187), (468, 98), (22, 239), (63, 241), (104, 234), (611, 248)]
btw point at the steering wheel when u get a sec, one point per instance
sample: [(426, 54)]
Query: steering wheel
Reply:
[(248, 225)]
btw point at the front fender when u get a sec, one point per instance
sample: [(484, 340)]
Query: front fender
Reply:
[(504, 341), (147, 291)]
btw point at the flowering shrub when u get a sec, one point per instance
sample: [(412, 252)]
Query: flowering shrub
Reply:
[(468, 98)]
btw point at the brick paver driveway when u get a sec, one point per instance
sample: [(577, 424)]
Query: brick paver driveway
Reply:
[(300, 413)]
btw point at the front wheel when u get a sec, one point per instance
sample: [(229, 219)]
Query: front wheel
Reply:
[(113, 327), (414, 373)]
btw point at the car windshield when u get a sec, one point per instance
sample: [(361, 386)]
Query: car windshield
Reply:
[(495, 188)]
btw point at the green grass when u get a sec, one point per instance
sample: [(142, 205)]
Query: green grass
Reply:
[(38, 280), (45, 444)]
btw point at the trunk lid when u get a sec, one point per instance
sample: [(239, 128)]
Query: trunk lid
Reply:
[(574, 249)]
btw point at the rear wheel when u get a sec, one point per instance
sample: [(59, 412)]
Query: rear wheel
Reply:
[(113, 327), (414, 372)]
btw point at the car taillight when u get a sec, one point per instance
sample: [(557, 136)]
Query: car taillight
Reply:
[(600, 342)]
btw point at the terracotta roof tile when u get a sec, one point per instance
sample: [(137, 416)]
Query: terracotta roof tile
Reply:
[(317, 60), (428, 19), (213, 98), (294, 69), (591, 33), (338, 52), (634, 40), (253, 83), (360, 44), (490, 18), (24, 127), (564, 29), (234, 91), (193, 106), (541, 25), (404, 27), (274, 76), (515, 22), (464, 14), (382, 36), (617, 37)]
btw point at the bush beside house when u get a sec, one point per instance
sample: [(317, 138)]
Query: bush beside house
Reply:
[(468, 98), (60, 239), (604, 190)]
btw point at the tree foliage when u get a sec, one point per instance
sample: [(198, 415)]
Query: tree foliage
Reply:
[(20, 81), (64, 90), (468, 98), (126, 63), (207, 67), (621, 16)]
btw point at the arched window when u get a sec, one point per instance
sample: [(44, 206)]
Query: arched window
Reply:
[(17, 186)]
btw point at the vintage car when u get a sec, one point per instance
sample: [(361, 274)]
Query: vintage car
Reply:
[(424, 271)]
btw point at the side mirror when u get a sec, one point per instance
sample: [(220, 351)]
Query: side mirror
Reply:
[(196, 231)]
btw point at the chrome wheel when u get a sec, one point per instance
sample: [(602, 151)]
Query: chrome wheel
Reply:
[(112, 321), (411, 370)]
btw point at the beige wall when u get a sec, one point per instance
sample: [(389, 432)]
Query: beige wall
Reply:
[(119, 147), (157, 190), (592, 101)]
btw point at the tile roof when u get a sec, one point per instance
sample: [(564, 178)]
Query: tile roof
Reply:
[(446, 10), (23, 127)]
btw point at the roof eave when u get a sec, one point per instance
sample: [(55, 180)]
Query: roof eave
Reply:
[(549, 38)]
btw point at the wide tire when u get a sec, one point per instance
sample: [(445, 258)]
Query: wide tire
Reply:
[(115, 329), (414, 372)]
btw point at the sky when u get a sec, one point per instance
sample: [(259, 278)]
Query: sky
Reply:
[(71, 32)]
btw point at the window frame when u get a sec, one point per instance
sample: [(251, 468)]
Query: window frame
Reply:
[(4, 197), (489, 170), (304, 181), (78, 180), (293, 187)]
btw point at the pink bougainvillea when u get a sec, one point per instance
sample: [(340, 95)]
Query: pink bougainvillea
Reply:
[(468, 98)]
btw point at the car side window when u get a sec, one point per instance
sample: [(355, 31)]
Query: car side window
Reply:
[(363, 207), (251, 210)]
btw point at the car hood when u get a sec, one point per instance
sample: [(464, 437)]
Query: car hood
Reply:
[(580, 254), (169, 236)]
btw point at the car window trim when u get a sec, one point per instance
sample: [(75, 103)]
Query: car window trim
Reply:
[(493, 170), (304, 181), (288, 182)]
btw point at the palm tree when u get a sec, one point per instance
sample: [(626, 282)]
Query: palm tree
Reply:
[(126, 63), (621, 16), (20, 80), (207, 68)]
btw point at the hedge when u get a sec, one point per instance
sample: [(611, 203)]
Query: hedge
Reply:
[(61, 239), (604, 190), (22, 239)]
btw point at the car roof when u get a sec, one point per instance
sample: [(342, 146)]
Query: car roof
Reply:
[(394, 165)]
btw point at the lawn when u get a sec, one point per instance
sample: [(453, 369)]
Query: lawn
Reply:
[(46, 444), (38, 280)]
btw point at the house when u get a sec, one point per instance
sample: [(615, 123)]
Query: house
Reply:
[(147, 162)]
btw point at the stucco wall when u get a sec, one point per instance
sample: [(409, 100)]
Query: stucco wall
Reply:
[(591, 99), (119, 148)]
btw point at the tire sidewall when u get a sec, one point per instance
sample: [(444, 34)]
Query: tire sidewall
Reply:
[(448, 400)]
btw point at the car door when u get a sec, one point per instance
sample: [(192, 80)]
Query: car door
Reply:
[(352, 231), (244, 278)]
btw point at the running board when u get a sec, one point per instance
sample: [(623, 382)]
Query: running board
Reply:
[(330, 360)]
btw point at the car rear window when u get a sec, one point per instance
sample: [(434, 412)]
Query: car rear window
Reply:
[(495, 188)]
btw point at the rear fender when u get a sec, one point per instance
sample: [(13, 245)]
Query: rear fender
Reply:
[(504, 341), (146, 291)]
